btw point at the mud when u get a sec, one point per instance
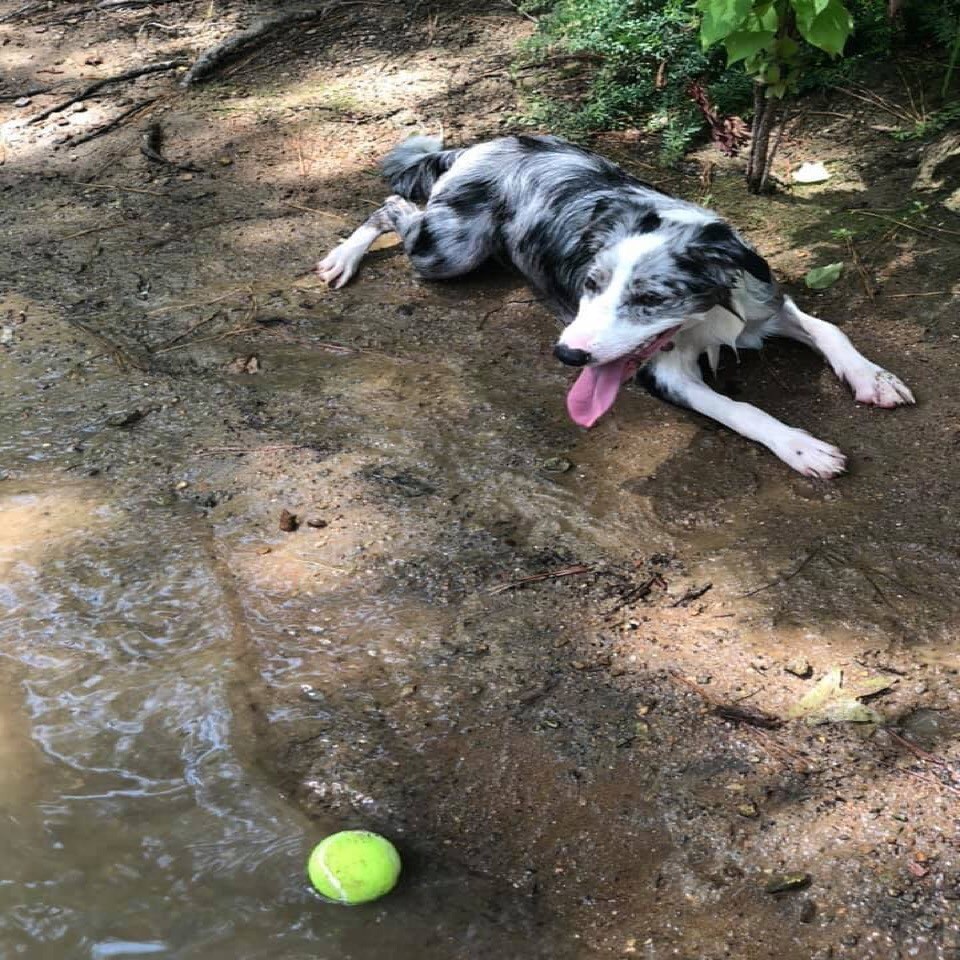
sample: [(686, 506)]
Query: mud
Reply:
[(193, 694)]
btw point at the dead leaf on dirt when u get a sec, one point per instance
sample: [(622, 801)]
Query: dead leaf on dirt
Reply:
[(788, 882), (247, 364), (834, 700), (918, 870)]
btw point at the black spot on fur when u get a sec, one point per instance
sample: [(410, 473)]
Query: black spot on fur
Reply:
[(649, 222), (468, 199), (425, 244), (648, 380)]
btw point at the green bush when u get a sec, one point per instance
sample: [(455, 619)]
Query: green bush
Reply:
[(647, 52)]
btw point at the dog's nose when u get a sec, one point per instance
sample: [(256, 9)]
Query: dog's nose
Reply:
[(571, 357)]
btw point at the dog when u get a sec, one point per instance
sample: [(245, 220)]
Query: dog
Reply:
[(642, 281)]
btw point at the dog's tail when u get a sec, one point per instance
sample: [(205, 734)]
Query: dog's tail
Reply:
[(414, 166)]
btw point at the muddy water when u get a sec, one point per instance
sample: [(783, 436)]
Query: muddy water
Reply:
[(134, 821)]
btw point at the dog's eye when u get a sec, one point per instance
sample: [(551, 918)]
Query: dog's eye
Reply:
[(648, 299), (591, 285)]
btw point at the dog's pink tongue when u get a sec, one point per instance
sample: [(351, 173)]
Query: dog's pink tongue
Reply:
[(596, 389)]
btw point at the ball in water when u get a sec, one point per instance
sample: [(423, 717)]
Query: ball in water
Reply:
[(354, 866)]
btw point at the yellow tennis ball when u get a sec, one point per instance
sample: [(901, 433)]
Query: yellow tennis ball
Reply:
[(354, 866)]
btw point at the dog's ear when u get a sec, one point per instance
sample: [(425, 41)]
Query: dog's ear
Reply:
[(610, 220), (717, 246)]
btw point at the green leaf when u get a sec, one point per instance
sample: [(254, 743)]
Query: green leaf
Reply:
[(822, 277), (721, 18), (768, 19), (833, 700), (826, 29), (747, 43)]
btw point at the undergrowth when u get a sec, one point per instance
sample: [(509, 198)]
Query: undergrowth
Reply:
[(634, 60)]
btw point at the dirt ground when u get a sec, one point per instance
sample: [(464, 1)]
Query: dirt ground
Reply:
[(615, 749)]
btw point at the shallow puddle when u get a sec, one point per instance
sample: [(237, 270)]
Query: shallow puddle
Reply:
[(135, 820)]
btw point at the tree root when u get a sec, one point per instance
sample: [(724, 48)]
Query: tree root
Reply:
[(112, 124), (216, 56), (119, 78)]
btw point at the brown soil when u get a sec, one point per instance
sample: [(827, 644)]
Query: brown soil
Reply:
[(166, 343)]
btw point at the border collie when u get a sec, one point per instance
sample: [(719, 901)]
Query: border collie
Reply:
[(641, 280)]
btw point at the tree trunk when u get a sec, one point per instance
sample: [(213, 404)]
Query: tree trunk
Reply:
[(765, 116)]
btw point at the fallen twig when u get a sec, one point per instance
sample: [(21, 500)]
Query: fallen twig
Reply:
[(694, 593), (261, 449), (119, 78), (83, 233), (31, 92), (535, 577), (113, 124), (639, 592), (321, 213), (925, 230), (115, 186), (858, 263), (167, 345), (730, 711), (122, 356), (120, 4), (933, 780), (233, 332), (911, 746), (783, 579)]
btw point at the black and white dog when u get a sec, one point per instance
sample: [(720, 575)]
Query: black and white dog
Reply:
[(640, 279)]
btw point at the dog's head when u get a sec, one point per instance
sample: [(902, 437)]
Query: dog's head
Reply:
[(637, 294)]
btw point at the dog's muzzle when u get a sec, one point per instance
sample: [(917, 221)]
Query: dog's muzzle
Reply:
[(571, 357)]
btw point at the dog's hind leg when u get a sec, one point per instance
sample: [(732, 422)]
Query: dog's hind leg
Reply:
[(341, 263), (678, 379), (870, 383), (439, 242)]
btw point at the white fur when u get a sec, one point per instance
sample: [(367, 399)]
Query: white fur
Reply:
[(598, 328)]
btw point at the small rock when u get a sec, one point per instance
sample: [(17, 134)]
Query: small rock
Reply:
[(318, 524), (182, 485), (808, 911), (799, 667), (748, 810), (262, 551), (185, 176), (704, 679), (225, 161), (78, 107), (556, 465), (850, 940), (93, 61), (22, 102), (288, 521)]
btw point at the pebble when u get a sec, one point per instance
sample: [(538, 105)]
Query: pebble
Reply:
[(557, 465), (808, 911), (748, 810), (22, 102), (799, 667)]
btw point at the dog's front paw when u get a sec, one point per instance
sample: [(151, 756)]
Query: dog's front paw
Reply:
[(810, 456), (338, 266), (878, 387)]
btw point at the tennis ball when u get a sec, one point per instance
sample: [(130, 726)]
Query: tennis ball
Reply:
[(354, 866)]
